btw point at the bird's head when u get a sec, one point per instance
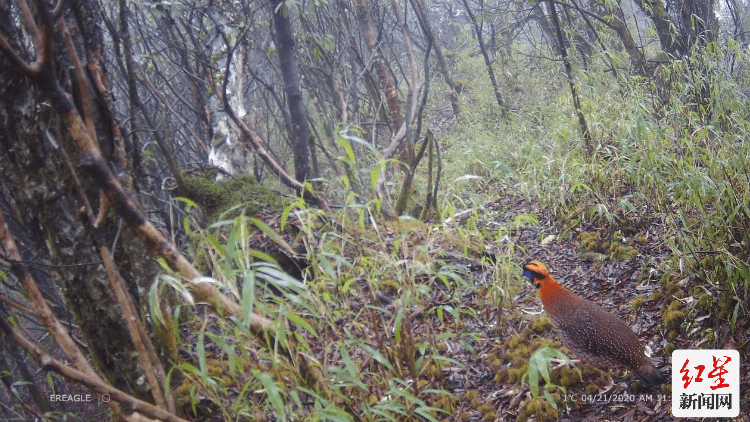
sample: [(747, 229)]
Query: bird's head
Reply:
[(535, 271)]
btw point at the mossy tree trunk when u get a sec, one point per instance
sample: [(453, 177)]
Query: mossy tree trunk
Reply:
[(43, 203)]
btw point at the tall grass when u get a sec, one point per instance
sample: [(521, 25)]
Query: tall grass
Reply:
[(670, 149)]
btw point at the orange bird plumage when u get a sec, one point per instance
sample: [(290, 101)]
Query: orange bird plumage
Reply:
[(594, 334)]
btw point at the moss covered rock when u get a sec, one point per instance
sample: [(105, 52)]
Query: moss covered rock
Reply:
[(217, 197)]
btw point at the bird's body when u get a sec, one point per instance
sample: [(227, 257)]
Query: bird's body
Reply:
[(594, 334)]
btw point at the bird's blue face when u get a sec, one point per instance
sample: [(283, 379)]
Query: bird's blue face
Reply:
[(533, 276)]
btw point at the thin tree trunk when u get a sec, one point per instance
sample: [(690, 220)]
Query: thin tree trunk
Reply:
[(739, 19), (418, 6), (569, 73), (487, 62), (404, 147), (301, 135), (127, 48), (538, 15)]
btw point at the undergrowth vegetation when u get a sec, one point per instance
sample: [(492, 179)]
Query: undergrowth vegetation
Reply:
[(381, 311), (671, 154)]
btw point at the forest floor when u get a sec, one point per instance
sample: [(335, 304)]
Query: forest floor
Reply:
[(484, 354), (613, 284), (588, 262)]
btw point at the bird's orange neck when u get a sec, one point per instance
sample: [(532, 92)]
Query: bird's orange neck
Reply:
[(550, 291)]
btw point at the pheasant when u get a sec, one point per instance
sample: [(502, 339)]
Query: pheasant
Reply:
[(592, 333)]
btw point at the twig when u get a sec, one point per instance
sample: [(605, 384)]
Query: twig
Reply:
[(94, 383)]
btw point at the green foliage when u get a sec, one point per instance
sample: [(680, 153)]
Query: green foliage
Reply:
[(539, 366), (223, 353), (404, 274)]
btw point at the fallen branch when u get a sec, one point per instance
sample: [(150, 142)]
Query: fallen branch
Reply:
[(107, 392)]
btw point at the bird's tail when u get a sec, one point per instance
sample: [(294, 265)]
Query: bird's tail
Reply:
[(648, 374)]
